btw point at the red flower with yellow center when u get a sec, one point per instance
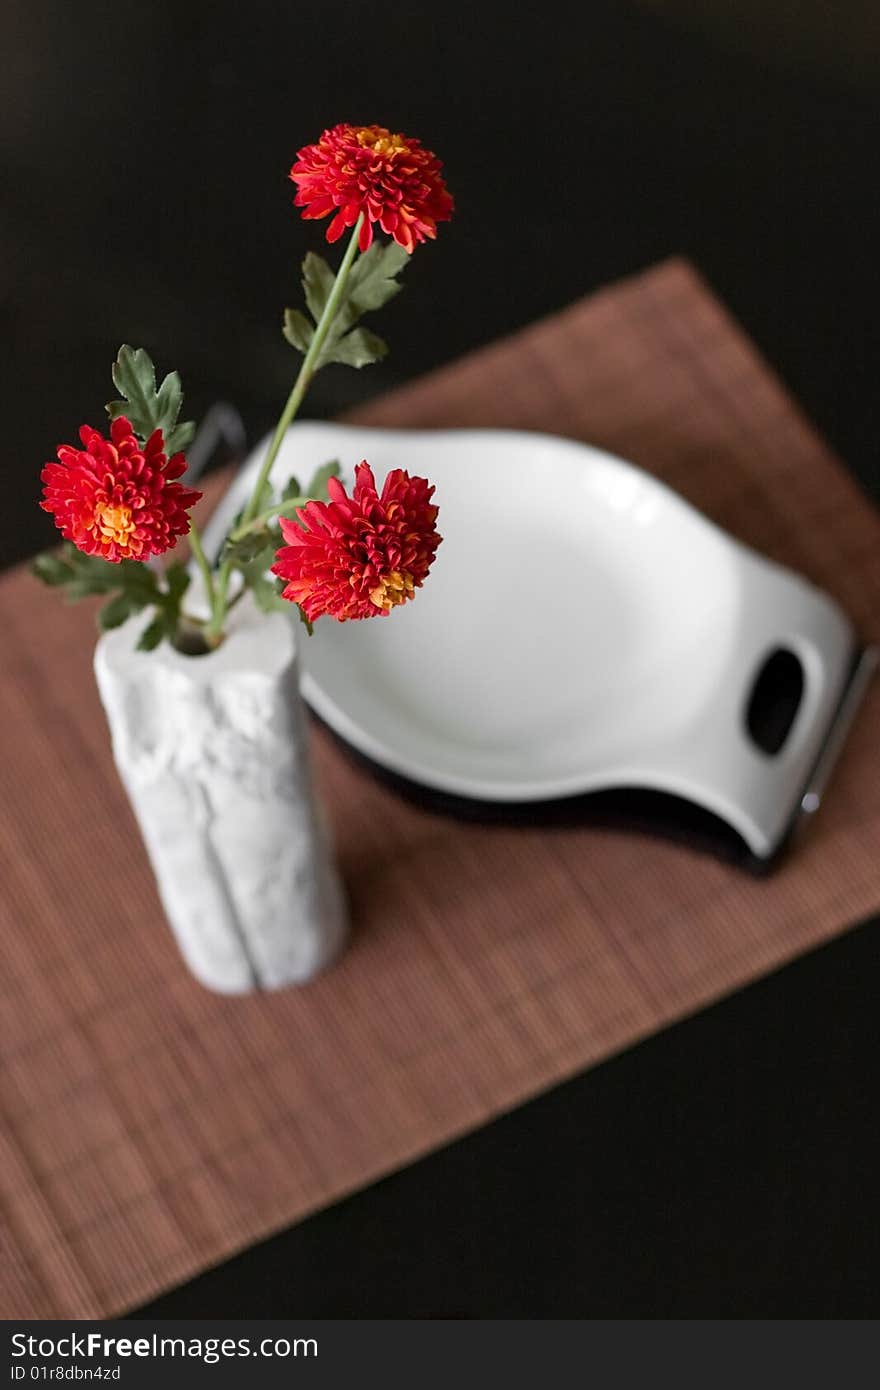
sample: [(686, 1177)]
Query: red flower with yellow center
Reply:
[(391, 179), (117, 498), (360, 556)]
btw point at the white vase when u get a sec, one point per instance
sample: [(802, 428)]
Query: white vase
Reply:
[(213, 752)]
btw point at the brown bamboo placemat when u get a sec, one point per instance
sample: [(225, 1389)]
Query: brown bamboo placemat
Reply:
[(149, 1128)]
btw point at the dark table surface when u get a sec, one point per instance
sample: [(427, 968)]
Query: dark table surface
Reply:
[(726, 1167)]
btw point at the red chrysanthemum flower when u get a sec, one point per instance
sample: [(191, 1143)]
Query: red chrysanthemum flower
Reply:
[(360, 556), (116, 497), (391, 179)]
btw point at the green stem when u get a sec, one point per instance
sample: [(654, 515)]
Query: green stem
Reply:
[(203, 623), (236, 598), (290, 505), (294, 401), (201, 560)]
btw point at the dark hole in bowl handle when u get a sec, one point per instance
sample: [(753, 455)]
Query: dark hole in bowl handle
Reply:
[(775, 700)]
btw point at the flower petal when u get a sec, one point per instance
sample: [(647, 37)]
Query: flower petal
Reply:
[(362, 555), (115, 498), (370, 170)]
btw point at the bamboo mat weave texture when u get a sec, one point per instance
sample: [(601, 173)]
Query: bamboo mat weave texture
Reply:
[(149, 1129)]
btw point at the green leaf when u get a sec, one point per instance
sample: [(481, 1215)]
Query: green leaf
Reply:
[(358, 348), (114, 613), (309, 627), (134, 377), (81, 576), (169, 599), (265, 498), (177, 580), (263, 586), (93, 577), (291, 507), (373, 281), (297, 330), (180, 438), (291, 489), (52, 568), (129, 587), (262, 503), (247, 548), (169, 399), (317, 487), (267, 595), (152, 634), (253, 552), (317, 282), (147, 409), (138, 581)]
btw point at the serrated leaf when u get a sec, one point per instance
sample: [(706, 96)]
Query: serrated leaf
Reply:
[(261, 503), (169, 399), (247, 548), (373, 281), (291, 489), (82, 588), (52, 568), (152, 635), (81, 576), (265, 498), (257, 578), (317, 282), (370, 284), (88, 580), (168, 600), (146, 408), (134, 377), (297, 330), (177, 580), (138, 581), (289, 509), (114, 613), (318, 485), (128, 586), (267, 595), (180, 438), (358, 348)]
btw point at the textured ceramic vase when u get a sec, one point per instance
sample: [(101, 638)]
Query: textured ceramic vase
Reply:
[(213, 752)]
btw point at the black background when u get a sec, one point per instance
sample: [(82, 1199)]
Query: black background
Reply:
[(728, 1166), (145, 151)]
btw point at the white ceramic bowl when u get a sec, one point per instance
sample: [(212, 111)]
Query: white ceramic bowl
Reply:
[(583, 628)]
